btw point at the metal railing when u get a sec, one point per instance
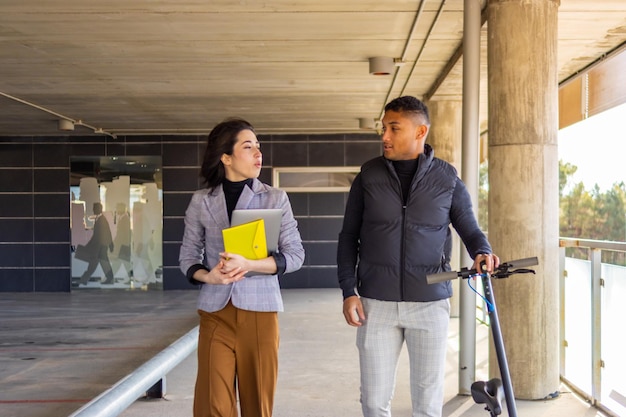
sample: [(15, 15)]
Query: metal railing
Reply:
[(120, 396), (593, 309)]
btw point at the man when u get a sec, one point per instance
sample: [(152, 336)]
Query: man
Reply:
[(395, 232), (99, 245)]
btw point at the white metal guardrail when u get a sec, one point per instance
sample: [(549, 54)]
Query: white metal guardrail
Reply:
[(120, 396), (592, 311)]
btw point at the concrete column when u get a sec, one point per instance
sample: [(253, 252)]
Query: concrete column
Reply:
[(523, 187), (445, 130), (446, 139)]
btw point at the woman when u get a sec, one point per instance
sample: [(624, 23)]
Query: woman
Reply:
[(238, 342)]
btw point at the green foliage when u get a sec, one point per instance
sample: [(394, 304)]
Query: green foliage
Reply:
[(593, 215), (566, 170)]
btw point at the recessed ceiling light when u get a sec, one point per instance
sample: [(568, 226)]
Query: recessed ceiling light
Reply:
[(381, 65), (65, 124)]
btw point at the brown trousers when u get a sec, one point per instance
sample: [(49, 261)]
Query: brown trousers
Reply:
[(237, 350)]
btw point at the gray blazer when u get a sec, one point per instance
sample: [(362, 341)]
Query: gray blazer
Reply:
[(205, 218)]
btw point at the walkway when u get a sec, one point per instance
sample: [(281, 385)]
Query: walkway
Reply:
[(57, 351)]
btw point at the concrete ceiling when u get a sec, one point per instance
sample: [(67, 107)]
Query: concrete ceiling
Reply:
[(170, 66)]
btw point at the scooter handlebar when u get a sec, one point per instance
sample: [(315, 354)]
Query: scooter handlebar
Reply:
[(441, 277), (522, 263), (502, 270)]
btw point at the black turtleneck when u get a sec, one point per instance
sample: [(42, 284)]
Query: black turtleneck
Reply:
[(232, 191), (406, 171)]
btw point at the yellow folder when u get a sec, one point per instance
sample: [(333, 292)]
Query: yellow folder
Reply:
[(247, 239)]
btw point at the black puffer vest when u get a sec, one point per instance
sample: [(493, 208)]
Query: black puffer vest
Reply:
[(401, 245)]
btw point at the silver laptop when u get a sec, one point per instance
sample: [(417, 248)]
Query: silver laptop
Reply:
[(272, 219)]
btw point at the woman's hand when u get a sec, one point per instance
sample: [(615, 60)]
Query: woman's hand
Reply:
[(232, 261), (220, 274)]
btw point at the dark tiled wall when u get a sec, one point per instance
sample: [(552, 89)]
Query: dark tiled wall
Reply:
[(34, 201)]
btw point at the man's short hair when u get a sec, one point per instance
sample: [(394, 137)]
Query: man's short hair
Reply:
[(409, 104)]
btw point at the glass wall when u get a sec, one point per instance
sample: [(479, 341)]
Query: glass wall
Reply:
[(116, 222)]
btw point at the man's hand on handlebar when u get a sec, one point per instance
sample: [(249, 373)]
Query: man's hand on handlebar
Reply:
[(491, 261)]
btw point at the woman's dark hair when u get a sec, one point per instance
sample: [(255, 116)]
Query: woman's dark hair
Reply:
[(221, 141)]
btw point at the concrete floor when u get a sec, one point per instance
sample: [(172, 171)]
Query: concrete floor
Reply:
[(58, 351)]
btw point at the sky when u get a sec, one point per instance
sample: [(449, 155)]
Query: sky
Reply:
[(597, 146)]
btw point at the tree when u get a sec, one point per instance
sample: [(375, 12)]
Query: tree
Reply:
[(592, 215), (566, 170)]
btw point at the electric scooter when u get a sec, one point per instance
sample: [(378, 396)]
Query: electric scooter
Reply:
[(492, 392)]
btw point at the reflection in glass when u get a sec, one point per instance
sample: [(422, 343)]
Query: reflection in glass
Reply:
[(116, 222)]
